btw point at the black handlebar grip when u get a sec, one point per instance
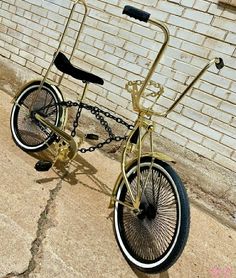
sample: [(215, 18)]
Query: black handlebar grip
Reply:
[(136, 13), (221, 64)]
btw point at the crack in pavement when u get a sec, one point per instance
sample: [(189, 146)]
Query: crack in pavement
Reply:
[(44, 223)]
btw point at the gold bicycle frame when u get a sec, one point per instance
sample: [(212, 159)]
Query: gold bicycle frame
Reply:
[(144, 122)]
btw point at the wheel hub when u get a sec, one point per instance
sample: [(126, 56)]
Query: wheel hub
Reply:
[(147, 211)]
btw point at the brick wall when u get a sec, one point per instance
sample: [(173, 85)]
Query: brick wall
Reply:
[(119, 49)]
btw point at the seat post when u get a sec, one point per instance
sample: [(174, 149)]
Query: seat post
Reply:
[(84, 91)]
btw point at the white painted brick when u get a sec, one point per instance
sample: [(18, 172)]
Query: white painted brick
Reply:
[(207, 87), (198, 16), (178, 54), (195, 49), (221, 93), (228, 107), (99, 44), (186, 68), (189, 133), (227, 13), (170, 8), (5, 52), (129, 36), (223, 128), (18, 59), (99, 15), (181, 77), (231, 38), (143, 31), (205, 98), (11, 48), (34, 67), (175, 42), (229, 141), (35, 2), (117, 99), (219, 46), (196, 116), (211, 31), (232, 97), (216, 79), (192, 103), (115, 70), (206, 131), (180, 119), (160, 15), (39, 11), (173, 136), (190, 36), (116, 41), (107, 28), (115, 10), (131, 57), (178, 87), (181, 22), (126, 113), (215, 9), (200, 150), (129, 46), (201, 5), (130, 67), (187, 3), (217, 147), (223, 23), (228, 163), (103, 74), (216, 113), (165, 122)]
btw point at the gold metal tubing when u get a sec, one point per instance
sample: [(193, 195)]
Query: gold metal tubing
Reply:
[(139, 190), (79, 31), (84, 91), (123, 162), (58, 49), (61, 133), (165, 30), (164, 114)]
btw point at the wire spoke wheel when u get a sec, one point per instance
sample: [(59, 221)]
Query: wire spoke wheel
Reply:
[(154, 238), (28, 133)]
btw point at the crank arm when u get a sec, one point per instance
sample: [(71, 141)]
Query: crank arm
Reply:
[(61, 133)]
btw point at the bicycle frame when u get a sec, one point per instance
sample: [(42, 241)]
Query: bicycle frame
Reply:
[(144, 122)]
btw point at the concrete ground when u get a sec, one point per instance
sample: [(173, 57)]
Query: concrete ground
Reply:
[(53, 225)]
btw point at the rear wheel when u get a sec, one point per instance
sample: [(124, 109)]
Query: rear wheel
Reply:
[(154, 239), (28, 133)]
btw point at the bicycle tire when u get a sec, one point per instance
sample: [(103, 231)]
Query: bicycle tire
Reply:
[(28, 133), (150, 241)]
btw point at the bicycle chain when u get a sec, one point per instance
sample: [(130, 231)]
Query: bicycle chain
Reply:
[(96, 112)]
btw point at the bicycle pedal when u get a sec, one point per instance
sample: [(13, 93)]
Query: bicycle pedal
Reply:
[(43, 165), (92, 136)]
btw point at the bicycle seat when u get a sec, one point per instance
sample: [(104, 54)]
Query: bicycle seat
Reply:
[(63, 64)]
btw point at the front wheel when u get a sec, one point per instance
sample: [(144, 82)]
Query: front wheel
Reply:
[(153, 239)]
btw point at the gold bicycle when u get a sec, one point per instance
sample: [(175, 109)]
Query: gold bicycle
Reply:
[(151, 208)]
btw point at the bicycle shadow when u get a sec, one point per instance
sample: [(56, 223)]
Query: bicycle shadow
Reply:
[(139, 274), (71, 172)]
